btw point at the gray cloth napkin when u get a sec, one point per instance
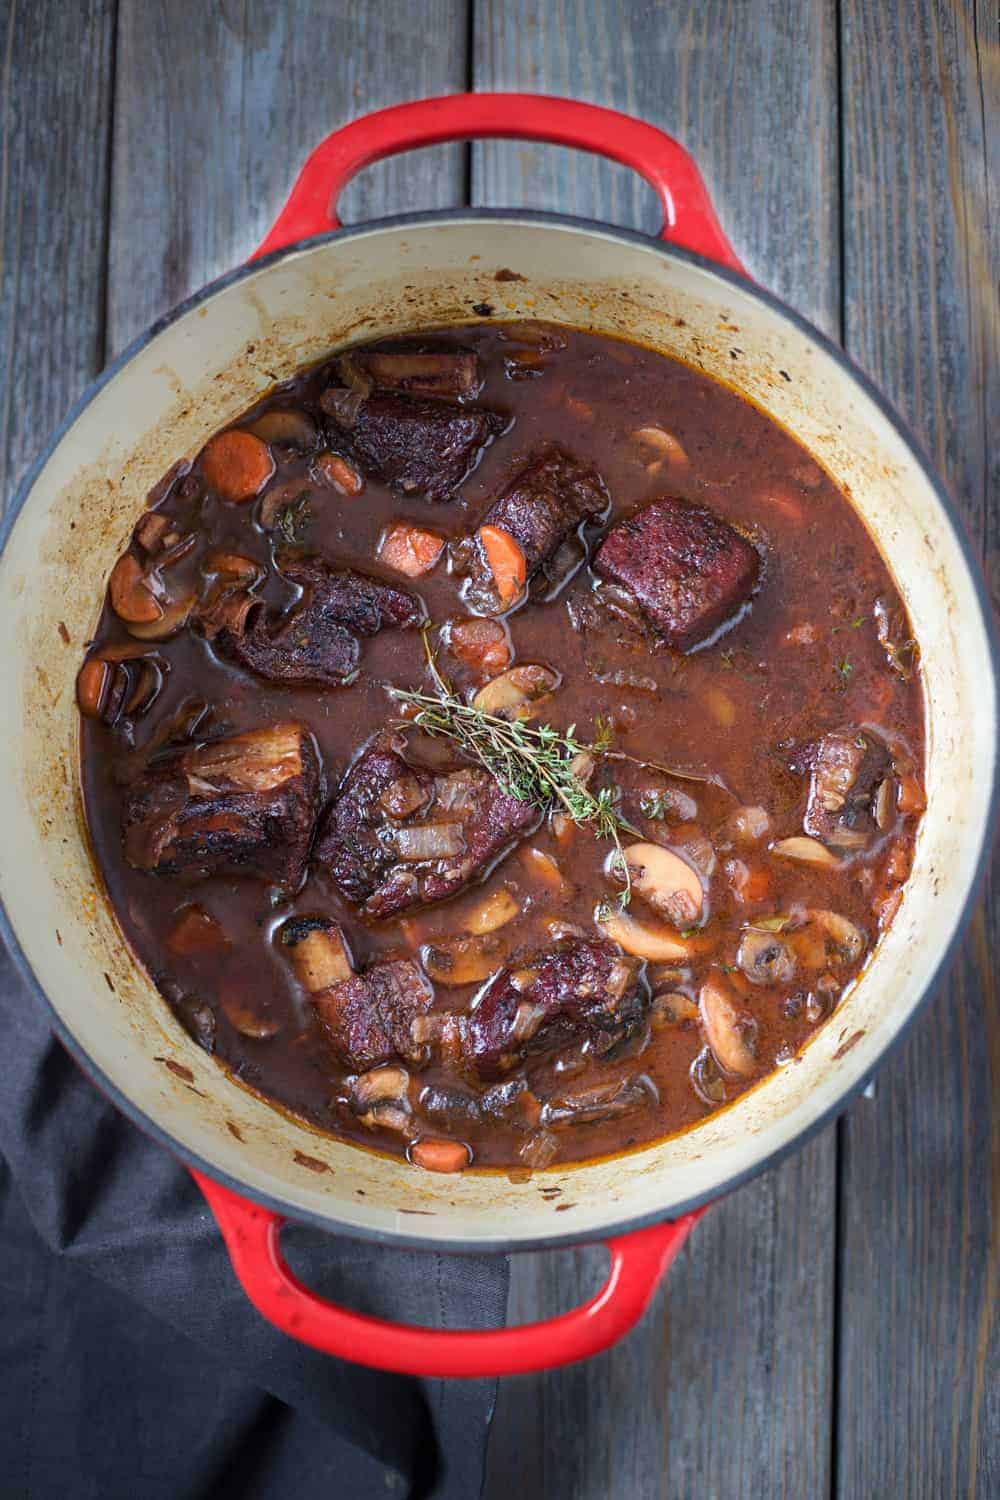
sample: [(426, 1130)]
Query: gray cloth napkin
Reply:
[(131, 1363)]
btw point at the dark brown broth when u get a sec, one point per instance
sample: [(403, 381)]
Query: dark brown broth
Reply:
[(729, 710)]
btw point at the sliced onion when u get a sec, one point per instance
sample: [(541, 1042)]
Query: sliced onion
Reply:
[(428, 841), (808, 851)]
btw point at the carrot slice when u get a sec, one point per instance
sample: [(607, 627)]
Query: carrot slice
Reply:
[(333, 469), (506, 562), (436, 1155), (237, 465), (481, 645), (409, 549)]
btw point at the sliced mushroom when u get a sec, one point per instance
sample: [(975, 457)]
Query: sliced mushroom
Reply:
[(245, 1018), (388, 1114), (808, 851), (287, 427), (846, 941), (289, 495), (666, 882), (172, 618), (730, 1029), (765, 958), (608, 1101), (885, 803), (232, 567), (543, 868), (658, 440), (119, 681), (642, 939), (747, 825), (387, 1082), (516, 692), (465, 960), (318, 952), (706, 1080), (671, 1008), (492, 912)]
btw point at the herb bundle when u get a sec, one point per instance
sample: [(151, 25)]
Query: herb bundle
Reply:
[(533, 763)]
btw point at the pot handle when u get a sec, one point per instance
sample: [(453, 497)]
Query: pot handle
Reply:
[(689, 219), (251, 1233)]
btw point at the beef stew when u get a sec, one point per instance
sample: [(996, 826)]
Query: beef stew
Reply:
[(502, 746)]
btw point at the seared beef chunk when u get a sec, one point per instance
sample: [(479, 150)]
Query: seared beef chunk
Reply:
[(541, 510), (422, 447), (399, 836), (437, 372), (688, 571), (368, 1017), (845, 771), (317, 642), (245, 805), (586, 989)]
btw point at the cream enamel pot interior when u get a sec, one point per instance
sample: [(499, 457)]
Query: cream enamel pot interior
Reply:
[(199, 368)]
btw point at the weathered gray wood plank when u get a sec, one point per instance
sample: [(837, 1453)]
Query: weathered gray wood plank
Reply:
[(726, 1388), (750, 89), (919, 1380), (53, 197), (217, 108)]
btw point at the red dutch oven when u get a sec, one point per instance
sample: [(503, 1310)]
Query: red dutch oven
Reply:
[(310, 287)]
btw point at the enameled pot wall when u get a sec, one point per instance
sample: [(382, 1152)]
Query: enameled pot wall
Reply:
[(199, 369)]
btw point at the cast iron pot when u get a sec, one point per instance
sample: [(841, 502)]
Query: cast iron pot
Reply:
[(311, 287)]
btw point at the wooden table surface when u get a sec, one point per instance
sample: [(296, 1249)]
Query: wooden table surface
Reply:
[(832, 1329)]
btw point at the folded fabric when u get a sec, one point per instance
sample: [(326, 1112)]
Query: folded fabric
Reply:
[(131, 1363)]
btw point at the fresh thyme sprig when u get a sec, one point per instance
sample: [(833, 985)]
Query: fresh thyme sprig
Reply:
[(533, 763)]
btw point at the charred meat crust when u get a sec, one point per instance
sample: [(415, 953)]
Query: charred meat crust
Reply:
[(577, 988), (688, 570), (387, 811), (317, 643), (245, 805), (369, 1017), (416, 445)]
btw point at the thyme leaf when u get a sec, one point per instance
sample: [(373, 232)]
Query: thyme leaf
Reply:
[(533, 763)]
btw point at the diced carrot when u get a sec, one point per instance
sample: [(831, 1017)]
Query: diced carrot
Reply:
[(436, 1155), (236, 465), (91, 681), (887, 906), (911, 795), (335, 470), (132, 599), (409, 549), (506, 562), (749, 882), (897, 865), (481, 645)]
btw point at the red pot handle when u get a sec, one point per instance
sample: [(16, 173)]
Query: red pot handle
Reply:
[(251, 1233), (689, 219)]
